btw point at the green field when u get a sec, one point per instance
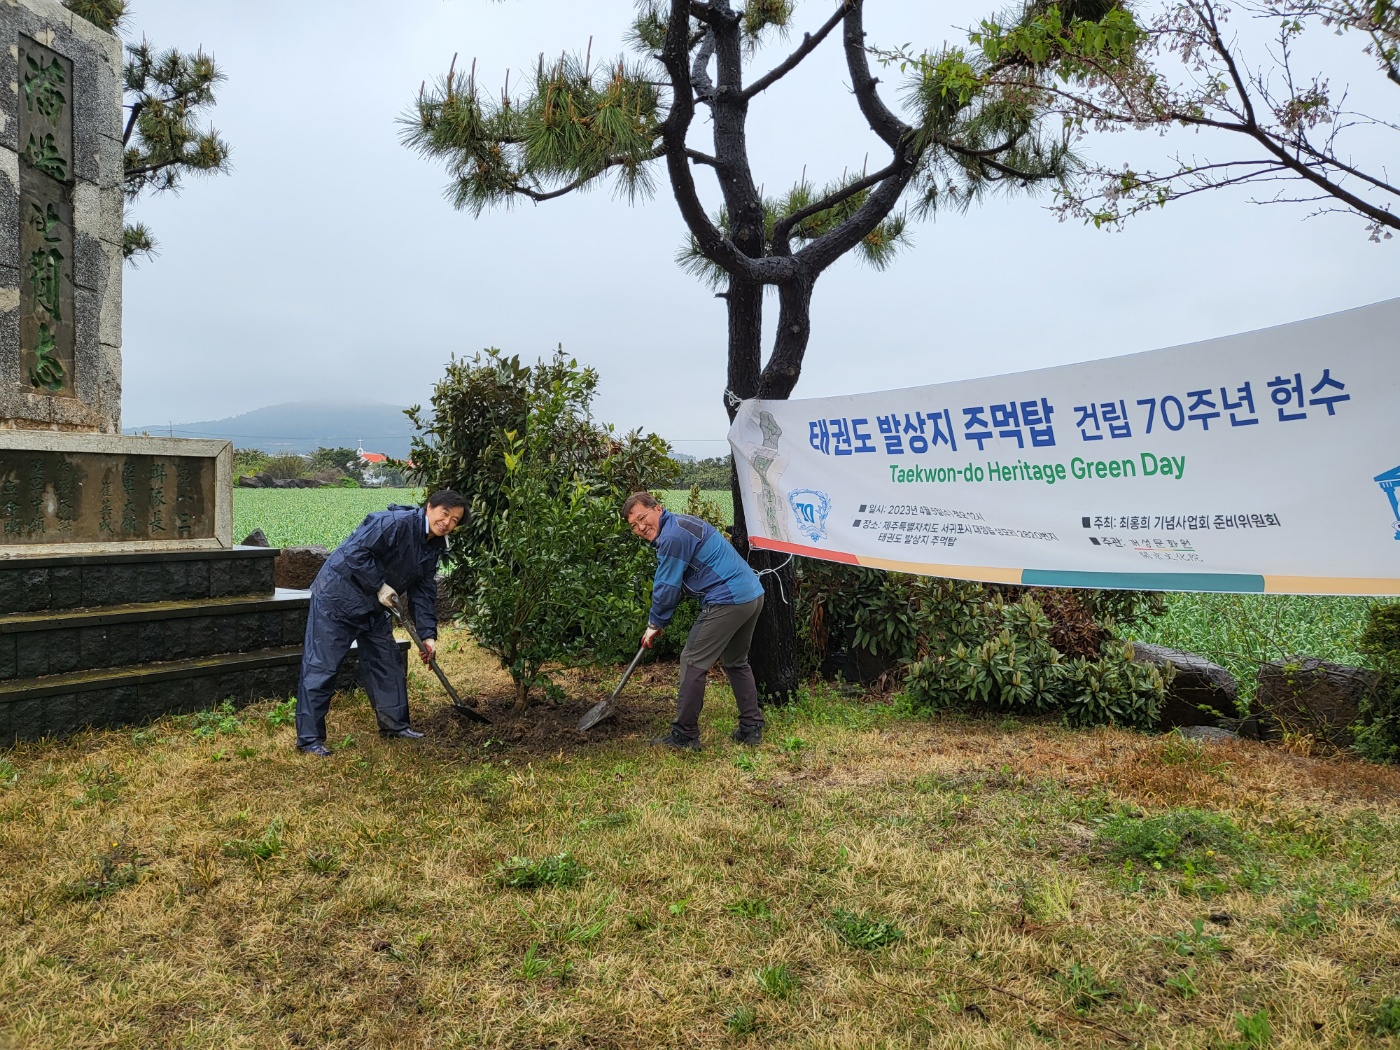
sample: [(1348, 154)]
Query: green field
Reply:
[(303, 517), (675, 499), (1241, 631)]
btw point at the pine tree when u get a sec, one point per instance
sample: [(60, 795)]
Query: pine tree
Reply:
[(575, 124), (167, 92)]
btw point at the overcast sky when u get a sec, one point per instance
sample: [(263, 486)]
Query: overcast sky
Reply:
[(328, 265)]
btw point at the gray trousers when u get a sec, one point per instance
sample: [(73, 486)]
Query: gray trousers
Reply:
[(721, 633)]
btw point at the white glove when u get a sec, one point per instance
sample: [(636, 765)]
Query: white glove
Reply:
[(387, 595)]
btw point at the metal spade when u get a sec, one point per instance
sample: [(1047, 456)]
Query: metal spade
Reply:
[(401, 612), (605, 709)]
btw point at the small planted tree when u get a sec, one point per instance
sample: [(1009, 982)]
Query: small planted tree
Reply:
[(545, 569)]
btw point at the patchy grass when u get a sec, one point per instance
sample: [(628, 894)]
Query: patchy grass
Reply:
[(197, 884)]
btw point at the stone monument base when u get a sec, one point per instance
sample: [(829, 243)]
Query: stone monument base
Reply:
[(117, 639)]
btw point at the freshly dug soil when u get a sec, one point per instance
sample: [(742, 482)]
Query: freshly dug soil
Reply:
[(644, 709)]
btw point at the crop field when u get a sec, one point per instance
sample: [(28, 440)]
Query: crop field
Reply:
[(675, 499), (862, 879), (325, 516), (304, 517), (1241, 631)]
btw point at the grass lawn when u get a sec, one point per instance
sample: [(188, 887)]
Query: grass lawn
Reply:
[(858, 881)]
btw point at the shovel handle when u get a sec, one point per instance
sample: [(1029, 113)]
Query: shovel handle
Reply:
[(628, 673), (401, 614)]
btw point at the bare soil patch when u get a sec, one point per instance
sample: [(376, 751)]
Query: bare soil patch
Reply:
[(549, 726)]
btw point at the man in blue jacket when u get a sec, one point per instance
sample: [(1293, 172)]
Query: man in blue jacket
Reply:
[(691, 556), (392, 551)]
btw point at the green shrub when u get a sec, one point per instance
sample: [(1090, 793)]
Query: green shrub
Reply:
[(1377, 730), (1001, 654), (285, 468), (546, 571), (960, 643), (249, 460)]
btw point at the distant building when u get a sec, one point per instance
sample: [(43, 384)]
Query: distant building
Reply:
[(371, 464)]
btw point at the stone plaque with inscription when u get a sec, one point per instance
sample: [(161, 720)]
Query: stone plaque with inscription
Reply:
[(72, 492), (48, 497)]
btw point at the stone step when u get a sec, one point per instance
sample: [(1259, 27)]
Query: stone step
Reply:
[(57, 705), (77, 581), (47, 643)]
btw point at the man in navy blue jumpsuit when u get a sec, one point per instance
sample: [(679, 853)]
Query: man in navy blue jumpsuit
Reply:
[(692, 556), (393, 551)]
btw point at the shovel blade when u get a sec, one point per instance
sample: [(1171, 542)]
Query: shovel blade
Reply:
[(470, 712), (599, 711)]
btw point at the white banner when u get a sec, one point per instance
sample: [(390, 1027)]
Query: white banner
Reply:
[(1263, 462)]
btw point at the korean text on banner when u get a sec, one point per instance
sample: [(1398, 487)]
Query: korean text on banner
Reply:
[(1262, 462)]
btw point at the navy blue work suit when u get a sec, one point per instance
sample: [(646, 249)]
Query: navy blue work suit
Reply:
[(390, 546)]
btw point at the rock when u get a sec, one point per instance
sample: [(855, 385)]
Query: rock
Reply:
[(1206, 734), (296, 567), (256, 538), (250, 481), (1201, 694), (1307, 695)]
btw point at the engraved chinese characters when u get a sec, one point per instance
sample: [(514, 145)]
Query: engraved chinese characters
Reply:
[(45, 141), (48, 497)]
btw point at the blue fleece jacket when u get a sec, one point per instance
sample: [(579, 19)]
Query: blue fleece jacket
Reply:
[(692, 557)]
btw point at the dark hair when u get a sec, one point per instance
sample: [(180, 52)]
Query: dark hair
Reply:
[(638, 499), (448, 499)]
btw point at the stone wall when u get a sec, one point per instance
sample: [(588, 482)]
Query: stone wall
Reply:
[(60, 220)]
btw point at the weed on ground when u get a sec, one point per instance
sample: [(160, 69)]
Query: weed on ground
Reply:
[(858, 880)]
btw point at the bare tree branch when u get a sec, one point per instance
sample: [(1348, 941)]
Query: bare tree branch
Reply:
[(808, 45)]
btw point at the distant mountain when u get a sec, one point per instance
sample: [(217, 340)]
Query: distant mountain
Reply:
[(300, 426)]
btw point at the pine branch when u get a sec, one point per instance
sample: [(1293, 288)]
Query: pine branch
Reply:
[(808, 45)]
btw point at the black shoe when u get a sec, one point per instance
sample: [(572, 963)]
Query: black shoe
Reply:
[(401, 734), (751, 737), (317, 748), (677, 743)]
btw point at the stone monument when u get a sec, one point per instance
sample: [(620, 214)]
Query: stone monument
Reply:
[(122, 597)]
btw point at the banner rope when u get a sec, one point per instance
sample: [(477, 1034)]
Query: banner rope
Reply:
[(776, 568)]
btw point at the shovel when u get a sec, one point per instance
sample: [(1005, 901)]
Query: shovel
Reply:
[(605, 708), (457, 705)]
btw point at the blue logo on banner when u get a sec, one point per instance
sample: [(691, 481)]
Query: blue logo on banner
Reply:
[(1389, 483), (810, 508)]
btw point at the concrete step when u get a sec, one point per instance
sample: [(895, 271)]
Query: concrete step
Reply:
[(76, 581), (33, 644), (56, 705)]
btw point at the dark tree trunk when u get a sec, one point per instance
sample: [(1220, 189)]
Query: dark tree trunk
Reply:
[(752, 263), (773, 656)]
